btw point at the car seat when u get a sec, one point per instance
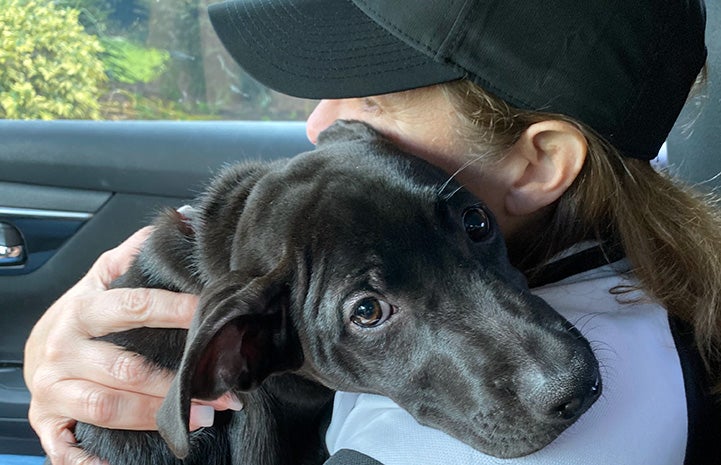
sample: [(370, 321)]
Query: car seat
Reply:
[(694, 145)]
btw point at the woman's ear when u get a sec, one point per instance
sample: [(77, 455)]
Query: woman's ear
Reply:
[(544, 162)]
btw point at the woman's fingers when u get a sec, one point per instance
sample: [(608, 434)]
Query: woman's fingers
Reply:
[(61, 346), (227, 401), (107, 366), (73, 377), (58, 443), (105, 407), (100, 313), (113, 263)]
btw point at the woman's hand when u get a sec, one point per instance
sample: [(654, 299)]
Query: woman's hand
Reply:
[(73, 378)]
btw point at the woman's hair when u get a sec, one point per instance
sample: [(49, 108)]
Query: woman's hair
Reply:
[(670, 233)]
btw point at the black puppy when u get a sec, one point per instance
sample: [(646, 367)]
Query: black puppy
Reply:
[(351, 267)]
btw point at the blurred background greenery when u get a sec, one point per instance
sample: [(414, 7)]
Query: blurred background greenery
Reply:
[(125, 59)]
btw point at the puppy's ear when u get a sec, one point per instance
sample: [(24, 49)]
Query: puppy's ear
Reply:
[(346, 130), (240, 336)]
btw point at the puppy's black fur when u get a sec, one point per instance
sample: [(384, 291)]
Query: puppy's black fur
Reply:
[(352, 267)]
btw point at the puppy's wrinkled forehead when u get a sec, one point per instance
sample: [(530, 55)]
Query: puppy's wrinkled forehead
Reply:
[(358, 197)]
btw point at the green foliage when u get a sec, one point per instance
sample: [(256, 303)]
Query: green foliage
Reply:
[(49, 65), (128, 105), (129, 63), (108, 59), (93, 16)]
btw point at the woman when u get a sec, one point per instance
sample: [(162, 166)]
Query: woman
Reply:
[(550, 113)]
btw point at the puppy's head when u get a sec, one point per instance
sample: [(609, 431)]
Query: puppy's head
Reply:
[(363, 268)]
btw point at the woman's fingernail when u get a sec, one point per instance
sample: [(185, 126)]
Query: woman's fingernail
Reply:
[(234, 403), (67, 436), (185, 209), (202, 415)]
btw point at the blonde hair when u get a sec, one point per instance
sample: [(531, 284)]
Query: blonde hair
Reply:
[(670, 233)]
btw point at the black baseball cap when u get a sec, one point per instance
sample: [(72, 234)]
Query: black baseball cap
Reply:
[(622, 67)]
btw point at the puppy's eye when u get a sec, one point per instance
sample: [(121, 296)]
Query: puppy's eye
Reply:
[(477, 223), (371, 312)]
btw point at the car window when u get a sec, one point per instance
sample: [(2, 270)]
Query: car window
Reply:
[(125, 60)]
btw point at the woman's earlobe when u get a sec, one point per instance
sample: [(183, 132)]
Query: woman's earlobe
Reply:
[(549, 156)]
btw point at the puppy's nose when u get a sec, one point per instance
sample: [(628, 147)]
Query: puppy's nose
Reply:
[(563, 397), (572, 406)]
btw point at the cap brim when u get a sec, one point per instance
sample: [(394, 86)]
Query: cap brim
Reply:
[(313, 49)]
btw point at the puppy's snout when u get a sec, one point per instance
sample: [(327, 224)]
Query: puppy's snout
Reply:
[(560, 395)]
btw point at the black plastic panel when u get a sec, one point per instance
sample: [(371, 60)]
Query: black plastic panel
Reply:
[(16, 435), (18, 195), (156, 158)]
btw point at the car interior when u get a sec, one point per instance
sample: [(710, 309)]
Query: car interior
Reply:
[(70, 190)]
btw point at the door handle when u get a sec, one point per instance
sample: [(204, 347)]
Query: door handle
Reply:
[(12, 245)]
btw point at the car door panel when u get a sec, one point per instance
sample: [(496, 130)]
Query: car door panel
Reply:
[(74, 189)]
